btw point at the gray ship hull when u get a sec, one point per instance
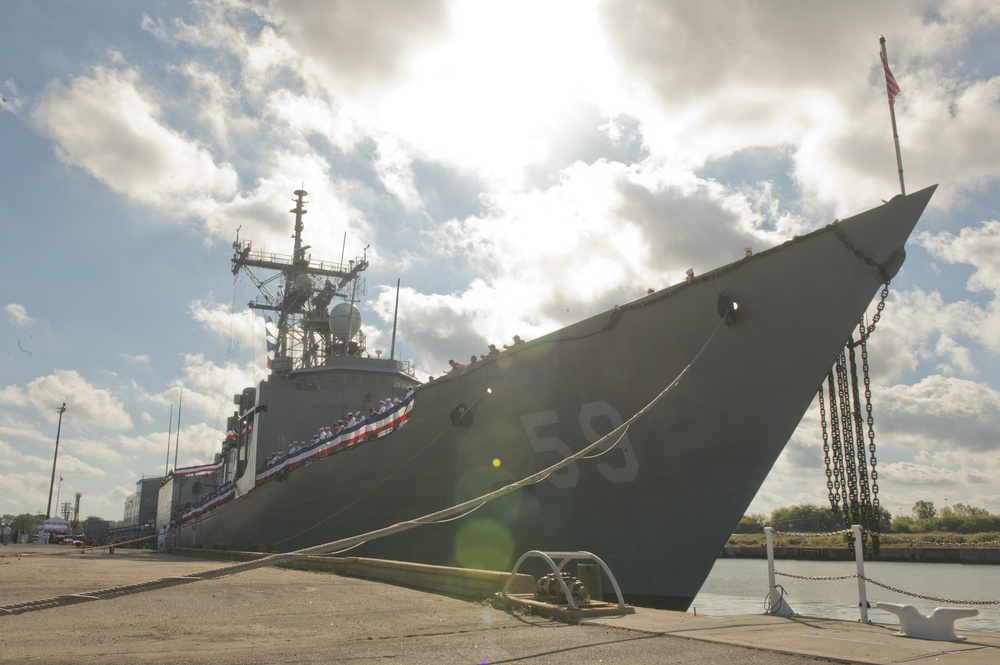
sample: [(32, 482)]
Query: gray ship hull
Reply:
[(659, 506)]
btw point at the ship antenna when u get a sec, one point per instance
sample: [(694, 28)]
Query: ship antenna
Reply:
[(395, 318), (170, 430), (177, 442), (303, 337)]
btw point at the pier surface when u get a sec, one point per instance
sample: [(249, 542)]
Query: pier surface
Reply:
[(271, 615)]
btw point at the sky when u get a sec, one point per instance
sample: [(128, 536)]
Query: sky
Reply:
[(517, 165)]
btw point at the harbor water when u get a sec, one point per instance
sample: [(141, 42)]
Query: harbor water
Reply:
[(739, 586)]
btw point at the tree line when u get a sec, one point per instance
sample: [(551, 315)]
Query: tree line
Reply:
[(25, 522), (924, 518)]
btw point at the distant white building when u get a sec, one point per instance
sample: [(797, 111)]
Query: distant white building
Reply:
[(55, 525)]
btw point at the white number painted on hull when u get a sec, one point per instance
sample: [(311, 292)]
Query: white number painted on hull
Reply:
[(626, 472), (569, 475)]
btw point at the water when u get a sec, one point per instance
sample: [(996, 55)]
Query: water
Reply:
[(739, 586)]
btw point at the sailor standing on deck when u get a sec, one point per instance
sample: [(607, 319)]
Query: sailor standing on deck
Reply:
[(161, 540), (517, 341)]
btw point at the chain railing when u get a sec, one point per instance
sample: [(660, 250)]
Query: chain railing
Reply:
[(775, 599), (885, 537), (942, 543), (911, 594)]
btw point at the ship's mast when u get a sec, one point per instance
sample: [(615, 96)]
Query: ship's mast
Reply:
[(304, 291)]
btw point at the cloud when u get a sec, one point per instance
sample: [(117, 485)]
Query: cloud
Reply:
[(939, 413), (603, 235), (218, 103), (921, 475), (222, 30), (10, 101), (85, 403), (22, 479), (17, 314), (204, 382), (963, 476), (108, 124), (68, 464), (11, 456), (262, 215), (198, 443), (393, 166), (357, 47), (13, 396), (142, 359), (979, 247), (219, 319), (935, 438), (302, 116), (146, 443), (722, 86), (647, 34), (923, 330), (920, 330)]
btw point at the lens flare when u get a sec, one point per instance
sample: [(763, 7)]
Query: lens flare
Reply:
[(484, 544)]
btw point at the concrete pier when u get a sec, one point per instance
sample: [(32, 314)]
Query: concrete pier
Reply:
[(279, 615)]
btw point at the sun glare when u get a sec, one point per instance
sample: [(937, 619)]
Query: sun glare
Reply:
[(491, 95)]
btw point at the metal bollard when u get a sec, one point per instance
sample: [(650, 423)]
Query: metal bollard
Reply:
[(590, 575)]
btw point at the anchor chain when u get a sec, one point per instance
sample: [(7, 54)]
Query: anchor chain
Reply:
[(834, 498), (876, 516), (839, 488), (863, 489), (850, 464)]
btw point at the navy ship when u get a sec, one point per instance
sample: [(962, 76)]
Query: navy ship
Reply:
[(711, 377)]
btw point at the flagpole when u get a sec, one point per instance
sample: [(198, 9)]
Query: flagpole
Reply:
[(892, 111)]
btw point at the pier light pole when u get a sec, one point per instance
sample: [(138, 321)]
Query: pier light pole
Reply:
[(58, 492), (48, 511)]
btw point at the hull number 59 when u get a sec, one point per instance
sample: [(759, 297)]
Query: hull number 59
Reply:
[(624, 471)]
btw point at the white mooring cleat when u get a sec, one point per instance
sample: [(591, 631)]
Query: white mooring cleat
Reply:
[(938, 625)]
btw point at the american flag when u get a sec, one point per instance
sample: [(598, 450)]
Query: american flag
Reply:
[(891, 87)]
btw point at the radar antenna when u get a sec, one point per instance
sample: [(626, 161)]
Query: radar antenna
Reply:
[(302, 291)]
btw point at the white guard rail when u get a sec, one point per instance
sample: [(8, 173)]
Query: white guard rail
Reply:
[(565, 557)]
